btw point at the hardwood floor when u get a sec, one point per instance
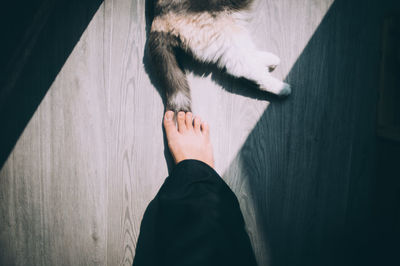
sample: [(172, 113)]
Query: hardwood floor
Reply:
[(76, 184)]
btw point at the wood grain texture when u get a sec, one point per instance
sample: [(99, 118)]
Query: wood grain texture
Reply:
[(74, 189)]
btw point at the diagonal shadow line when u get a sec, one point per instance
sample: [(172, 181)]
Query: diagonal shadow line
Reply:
[(50, 31), (309, 161)]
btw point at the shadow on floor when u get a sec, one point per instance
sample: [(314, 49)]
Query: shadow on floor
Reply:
[(310, 161), (38, 38)]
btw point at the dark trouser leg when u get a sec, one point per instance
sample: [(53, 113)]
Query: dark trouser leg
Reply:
[(194, 219)]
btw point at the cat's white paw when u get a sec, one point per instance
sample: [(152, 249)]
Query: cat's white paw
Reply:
[(285, 90), (179, 102), (275, 86)]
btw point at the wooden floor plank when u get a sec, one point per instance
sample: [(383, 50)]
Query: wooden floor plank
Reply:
[(74, 189)]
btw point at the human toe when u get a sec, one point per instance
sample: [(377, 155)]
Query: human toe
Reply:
[(205, 129), (181, 121), (196, 123), (169, 124), (189, 120)]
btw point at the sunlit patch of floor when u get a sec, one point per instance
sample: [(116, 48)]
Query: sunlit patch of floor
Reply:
[(279, 27)]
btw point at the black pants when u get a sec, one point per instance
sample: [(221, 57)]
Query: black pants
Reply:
[(194, 219)]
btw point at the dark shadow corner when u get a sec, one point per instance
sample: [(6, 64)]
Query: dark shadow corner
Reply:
[(37, 38)]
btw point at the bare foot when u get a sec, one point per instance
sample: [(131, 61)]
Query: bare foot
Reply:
[(191, 140)]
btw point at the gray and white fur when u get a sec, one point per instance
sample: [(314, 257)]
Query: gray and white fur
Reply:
[(213, 31)]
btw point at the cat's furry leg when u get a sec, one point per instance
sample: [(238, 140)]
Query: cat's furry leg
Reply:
[(255, 70), (219, 38), (255, 65), (231, 48), (170, 74)]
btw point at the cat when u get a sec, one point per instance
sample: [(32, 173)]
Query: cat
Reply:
[(213, 31)]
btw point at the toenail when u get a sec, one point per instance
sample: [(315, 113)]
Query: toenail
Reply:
[(181, 114), (169, 115)]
